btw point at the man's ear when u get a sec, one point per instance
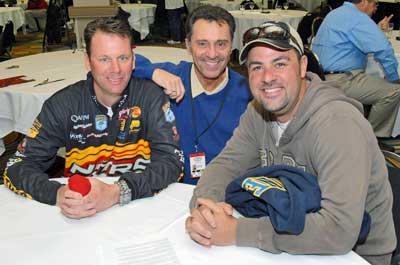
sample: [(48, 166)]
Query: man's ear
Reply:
[(188, 46), (87, 62), (133, 61), (303, 66)]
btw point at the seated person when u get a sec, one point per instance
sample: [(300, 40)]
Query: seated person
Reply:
[(306, 26), (344, 40), (35, 15), (110, 124), (297, 120), (216, 96)]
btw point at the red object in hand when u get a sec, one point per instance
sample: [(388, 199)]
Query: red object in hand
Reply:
[(79, 184)]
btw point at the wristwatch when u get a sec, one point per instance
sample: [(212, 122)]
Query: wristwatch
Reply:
[(125, 193)]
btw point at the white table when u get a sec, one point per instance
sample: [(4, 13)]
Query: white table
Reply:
[(142, 16), (247, 19), (227, 5), (15, 14), (309, 5), (20, 104), (35, 233)]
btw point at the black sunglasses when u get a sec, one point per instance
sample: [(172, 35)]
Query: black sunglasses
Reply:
[(268, 30)]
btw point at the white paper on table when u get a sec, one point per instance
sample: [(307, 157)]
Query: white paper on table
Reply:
[(150, 251)]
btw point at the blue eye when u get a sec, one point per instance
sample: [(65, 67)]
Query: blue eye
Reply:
[(104, 59), (255, 68), (280, 65)]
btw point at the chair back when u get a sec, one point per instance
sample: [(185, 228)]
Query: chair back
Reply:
[(7, 39), (316, 23), (394, 179), (314, 64), (393, 163), (248, 3)]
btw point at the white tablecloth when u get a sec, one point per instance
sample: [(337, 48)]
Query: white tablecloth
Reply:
[(142, 16), (20, 104), (15, 14), (34, 233), (247, 19)]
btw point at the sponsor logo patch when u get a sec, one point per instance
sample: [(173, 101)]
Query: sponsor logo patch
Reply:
[(136, 112), (83, 117), (258, 185), (101, 122), (135, 126), (34, 130)]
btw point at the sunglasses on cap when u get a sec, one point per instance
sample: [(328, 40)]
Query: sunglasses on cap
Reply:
[(269, 30)]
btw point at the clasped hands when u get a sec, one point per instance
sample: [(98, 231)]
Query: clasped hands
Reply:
[(76, 206), (212, 223)]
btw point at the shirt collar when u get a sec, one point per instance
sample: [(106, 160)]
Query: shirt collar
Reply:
[(197, 88)]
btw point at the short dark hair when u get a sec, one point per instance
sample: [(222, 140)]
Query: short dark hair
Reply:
[(358, 1), (210, 13), (106, 25)]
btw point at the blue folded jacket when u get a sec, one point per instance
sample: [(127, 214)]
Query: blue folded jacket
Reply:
[(283, 193)]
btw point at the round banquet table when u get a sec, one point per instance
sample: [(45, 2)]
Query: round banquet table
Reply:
[(227, 5), (15, 14), (253, 18), (35, 233), (142, 16), (21, 103)]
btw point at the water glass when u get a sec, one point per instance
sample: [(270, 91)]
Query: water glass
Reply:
[(241, 9), (286, 6), (389, 30)]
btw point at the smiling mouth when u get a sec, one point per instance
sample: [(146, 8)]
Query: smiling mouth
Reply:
[(115, 81)]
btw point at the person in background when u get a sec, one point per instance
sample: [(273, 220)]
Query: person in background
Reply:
[(344, 40), (174, 8), (35, 15), (310, 126), (111, 125), (215, 96)]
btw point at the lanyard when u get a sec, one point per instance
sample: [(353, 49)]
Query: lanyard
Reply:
[(221, 105)]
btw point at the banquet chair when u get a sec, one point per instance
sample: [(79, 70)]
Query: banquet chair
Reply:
[(314, 64), (316, 23), (248, 4), (7, 39), (394, 179)]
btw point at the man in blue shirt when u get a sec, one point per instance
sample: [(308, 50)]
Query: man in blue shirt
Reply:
[(215, 96), (343, 42)]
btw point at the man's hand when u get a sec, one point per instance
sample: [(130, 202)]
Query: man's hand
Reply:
[(172, 84), (212, 223), (100, 197), (72, 204), (384, 23)]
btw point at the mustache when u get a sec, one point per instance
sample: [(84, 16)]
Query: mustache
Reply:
[(272, 84), (214, 59)]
